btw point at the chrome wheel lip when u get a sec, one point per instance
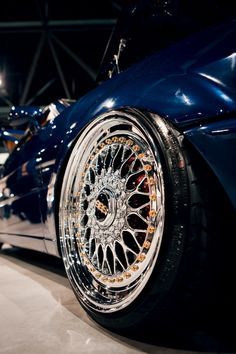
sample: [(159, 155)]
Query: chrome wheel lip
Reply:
[(106, 295)]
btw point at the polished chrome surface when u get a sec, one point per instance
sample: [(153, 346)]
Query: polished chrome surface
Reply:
[(112, 212)]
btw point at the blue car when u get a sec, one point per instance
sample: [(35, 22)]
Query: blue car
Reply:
[(134, 184)]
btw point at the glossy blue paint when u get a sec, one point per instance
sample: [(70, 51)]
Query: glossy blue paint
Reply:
[(216, 142), (20, 204), (12, 135), (191, 84), (198, 85), (191, 80), (21, 185), (23, 114)]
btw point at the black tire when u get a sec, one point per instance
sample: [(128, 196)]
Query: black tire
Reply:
[(173, 285)]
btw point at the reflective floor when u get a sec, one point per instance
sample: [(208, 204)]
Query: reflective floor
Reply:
[(39, 314)]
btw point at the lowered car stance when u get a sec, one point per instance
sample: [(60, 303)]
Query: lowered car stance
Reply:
[(134, 184)]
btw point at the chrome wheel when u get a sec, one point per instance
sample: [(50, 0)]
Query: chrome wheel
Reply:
[(112, 212)]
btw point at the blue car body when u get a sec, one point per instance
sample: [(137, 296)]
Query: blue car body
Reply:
[(191, 84)]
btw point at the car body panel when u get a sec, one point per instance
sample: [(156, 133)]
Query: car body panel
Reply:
[(198, 84), (216, 142), (21, 187), (20, 207), (191, 84)]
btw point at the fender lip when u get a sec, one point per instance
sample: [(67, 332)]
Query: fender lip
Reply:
[(215, 142)]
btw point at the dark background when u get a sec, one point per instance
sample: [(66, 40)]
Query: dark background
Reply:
[(51, 49)]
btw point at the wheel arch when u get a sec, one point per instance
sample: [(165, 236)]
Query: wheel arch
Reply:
[(209, 175), (218, 198)]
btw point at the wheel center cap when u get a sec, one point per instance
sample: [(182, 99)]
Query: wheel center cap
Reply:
[(105, 207)]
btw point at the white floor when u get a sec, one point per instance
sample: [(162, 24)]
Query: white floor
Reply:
[(39, 312)]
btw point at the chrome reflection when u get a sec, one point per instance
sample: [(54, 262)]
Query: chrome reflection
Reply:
[(111, 212)]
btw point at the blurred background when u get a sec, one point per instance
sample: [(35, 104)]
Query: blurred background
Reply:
[(51, 49)]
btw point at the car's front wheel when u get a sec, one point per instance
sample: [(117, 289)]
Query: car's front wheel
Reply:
[(130, 225)]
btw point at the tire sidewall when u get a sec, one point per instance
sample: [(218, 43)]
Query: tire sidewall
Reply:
[(159, 293)]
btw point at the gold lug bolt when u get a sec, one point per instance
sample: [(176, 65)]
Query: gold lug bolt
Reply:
[(134, 268), (146, 245), (108, 141), (102, 145), (92, 270), (115, 139), (129, 142), (141, 156), (141, 257), (152, 213), (151, 181), (153, 197), (112, 280), (136, 148), (97, 275), (104, 279), (127, 275), (122, 140), (120, 279), (147, 167), (151, 229)]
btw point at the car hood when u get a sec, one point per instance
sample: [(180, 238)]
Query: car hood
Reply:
[(190, 81)]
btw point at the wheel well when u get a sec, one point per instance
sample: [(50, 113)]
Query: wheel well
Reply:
[(217, 196), (219, 210), (215, 189), (221, 215)]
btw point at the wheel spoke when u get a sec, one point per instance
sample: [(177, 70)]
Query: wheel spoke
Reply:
[(113, 213)]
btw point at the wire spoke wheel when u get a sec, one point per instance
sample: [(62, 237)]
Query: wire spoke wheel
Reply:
[(132, 223), (112, 212)]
